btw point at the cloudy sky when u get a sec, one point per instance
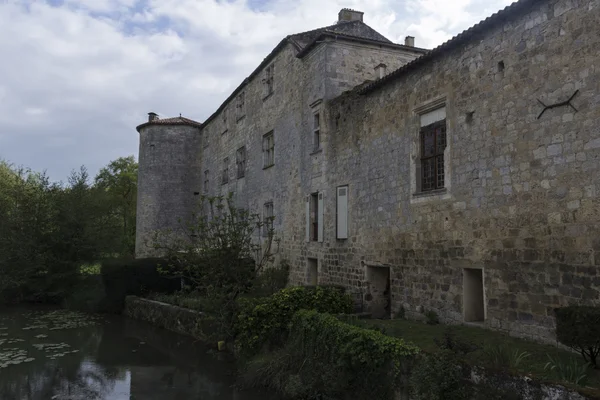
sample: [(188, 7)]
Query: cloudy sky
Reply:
[(77, 76)]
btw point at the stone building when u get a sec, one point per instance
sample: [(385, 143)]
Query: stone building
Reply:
[(462, 180)]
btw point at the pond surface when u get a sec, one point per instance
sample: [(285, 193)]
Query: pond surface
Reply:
[(50, 354)]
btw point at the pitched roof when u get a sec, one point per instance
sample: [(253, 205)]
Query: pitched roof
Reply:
[(488, 23), (171, 121), (304, 42)]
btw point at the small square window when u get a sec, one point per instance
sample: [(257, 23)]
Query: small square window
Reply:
[(240, 160), (268, 150)]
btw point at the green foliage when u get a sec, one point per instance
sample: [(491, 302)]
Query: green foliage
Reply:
[(271, 280), (451, 341), (48, 231), (265, 321), (87, 294), (579, 328), (440, 376), (325, 358), (123, 277), (432, 317), (502, 356), (571, 370)]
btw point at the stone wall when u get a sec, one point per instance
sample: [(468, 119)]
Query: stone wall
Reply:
[(521, 195)]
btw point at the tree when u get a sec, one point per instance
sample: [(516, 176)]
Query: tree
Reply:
[(116, 188)]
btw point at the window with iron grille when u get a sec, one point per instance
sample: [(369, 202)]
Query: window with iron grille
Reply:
[(269, 79), (316, 132), (268, 217), (225, 178), (433, 144), (206, 181), (240, 161), (268, 150)]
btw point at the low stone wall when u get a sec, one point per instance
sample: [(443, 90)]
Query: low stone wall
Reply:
[(174, 318)]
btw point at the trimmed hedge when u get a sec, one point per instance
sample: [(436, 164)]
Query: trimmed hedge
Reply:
[(265, 321), (579, 328), (123, 277)]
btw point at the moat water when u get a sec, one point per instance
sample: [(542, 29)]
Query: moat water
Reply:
[(49, 354)]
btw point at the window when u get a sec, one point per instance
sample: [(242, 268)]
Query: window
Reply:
[(225, 171), (269, 79), (224, 119), (206, 181), (314, 217), (316, 132), (240, 161), (241, 105), (268, 150), (268, 218), (433, 144), (342, 212)]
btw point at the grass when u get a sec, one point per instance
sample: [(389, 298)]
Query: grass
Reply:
[(490, 346)]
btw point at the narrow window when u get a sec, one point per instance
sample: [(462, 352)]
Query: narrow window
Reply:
[(225, 171), (342, 212), (314, 217), (313, 271), (241, 105), (269, 80), (316, 132), (240, 160), (268, 217), (206, 137), (268, 150), (433, 144), (224, 120), (206, 181), (473, 295)]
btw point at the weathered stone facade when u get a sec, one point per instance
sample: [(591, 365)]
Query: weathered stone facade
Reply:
[(511, 233)]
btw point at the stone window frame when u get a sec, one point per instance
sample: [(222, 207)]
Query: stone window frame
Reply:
[(444, 193), (268, 148), (225, 177), (316, 111), (240, 161), (316, 129)]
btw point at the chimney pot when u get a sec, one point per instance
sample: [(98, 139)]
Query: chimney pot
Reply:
[(152, 116), (347, 14), (409, 41)]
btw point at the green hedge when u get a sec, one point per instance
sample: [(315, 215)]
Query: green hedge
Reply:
[(123, 277), (265, 321), (579, 328), (326, 358)]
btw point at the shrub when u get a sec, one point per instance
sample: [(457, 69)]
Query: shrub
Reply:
[(271, 280), (432, 317), (501, 356), (570, 371), (87, 294), (265, 321), (450, 341), (579, 328), (440, 376), (122, 277), (325, 358)]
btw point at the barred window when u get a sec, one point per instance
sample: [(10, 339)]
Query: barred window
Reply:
[(268, 150), (240, 160), (433, 143)]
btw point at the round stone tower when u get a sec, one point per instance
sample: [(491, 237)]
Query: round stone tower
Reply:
[(168, 178)]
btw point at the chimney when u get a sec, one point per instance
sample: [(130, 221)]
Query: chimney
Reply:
[(152, 116), (347, 14), (409, 41), (380, 70)]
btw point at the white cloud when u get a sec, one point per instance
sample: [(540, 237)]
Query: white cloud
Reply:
[(78, 77)]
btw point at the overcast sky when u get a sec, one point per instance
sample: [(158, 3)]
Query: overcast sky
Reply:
[(77, 76)]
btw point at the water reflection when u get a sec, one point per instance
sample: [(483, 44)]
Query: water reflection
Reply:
[(57, 355)]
